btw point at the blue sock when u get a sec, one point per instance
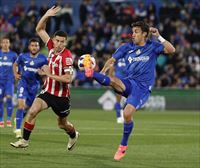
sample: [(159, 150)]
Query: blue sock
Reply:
[(118, 109), (19, 118), (1, 110), (102, 79), (127, 131), (9, 108)]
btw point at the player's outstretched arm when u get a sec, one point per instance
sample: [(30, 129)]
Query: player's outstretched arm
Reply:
[(109, 63), (66, 78), (41, 26), (168, 47)]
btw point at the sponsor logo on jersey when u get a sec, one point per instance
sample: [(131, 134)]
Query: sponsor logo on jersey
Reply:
[(30, 69), (137, 59), (5, 63), (130, 51)]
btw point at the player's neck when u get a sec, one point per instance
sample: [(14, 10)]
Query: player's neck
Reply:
[(33, 55), (5, 50), (142, 43)]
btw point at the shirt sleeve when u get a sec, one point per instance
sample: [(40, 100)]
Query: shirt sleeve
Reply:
[(119, 53), (50, 44), (67, 61), (159, 48), (19, 59)]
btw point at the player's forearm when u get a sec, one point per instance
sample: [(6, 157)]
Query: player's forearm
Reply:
[(42, 23), (64, 78), (109, 63), (168, 47), (15, 67)]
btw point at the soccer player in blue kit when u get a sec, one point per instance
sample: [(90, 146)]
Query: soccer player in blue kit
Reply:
[(140, 56), (7, 58), (25, 70)]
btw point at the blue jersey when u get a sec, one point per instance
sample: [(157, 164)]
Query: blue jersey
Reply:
[(120, 68), (6, 65), (28, 67), (140, 61)]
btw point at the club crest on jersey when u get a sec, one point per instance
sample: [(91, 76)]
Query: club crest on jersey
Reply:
[(138, 52), (32, 63), (69, 61)]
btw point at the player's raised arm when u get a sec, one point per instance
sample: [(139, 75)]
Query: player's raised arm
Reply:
[(41, 26), (168, 47)]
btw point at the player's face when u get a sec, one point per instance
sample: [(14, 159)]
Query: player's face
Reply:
[(138, 36), (34, 48), (5, 44), (59, 43)]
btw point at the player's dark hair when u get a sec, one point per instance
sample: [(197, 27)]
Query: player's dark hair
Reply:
[(33, 40), (144, 26), (6, 37), (60, 33)]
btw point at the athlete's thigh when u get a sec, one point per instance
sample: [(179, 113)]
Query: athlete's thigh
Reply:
[(117, 84), (38, 105), (9, 88), (31, 95), (2, 90), (138, 96), (21, 90)]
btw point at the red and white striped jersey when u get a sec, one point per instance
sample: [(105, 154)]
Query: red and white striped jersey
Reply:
[(58, 63)]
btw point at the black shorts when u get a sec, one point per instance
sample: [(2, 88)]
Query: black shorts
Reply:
[(60, 105)]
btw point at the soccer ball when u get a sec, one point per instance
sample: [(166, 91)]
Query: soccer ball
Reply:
[(81, 59)]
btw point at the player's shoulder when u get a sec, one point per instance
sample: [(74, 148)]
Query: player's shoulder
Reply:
[(153, 42), (66, 53), (40, 55)]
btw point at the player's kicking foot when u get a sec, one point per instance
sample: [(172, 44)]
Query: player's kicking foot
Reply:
[(87, 62), (120, 152), (20, 144), (72, 142)]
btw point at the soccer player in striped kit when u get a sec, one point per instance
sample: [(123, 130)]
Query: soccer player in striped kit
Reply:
[(56, 93)]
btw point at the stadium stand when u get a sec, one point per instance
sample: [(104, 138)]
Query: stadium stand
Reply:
[(99, 27)]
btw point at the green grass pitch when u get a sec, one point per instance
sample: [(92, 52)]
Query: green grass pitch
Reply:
[(168, 139)]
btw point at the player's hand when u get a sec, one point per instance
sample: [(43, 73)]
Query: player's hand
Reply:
[(41, 72), (17, 76), (53, 11), (154, 31), (46, 70)]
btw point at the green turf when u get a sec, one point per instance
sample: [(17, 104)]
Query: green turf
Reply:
[(160, 140)]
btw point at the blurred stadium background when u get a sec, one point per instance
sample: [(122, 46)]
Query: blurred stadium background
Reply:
[(168, 128)]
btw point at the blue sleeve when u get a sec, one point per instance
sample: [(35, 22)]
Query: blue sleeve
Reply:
[(159, 48), (19, 59), (119, 53)]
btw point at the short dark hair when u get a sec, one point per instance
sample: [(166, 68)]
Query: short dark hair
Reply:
[(60, 33), (6, 37), (33, 40), (144, 26)]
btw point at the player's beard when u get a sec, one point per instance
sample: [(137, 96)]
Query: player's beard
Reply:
[(34, 53)]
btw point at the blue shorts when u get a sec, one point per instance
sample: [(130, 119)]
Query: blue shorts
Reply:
[(135, 95), (27, 92), (6, 88)]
